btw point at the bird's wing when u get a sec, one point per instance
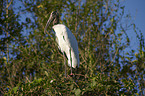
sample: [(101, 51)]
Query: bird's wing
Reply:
[(67, 41), (71, 41), (68, 37)]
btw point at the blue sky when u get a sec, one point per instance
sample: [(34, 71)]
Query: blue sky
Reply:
[(137, 10)]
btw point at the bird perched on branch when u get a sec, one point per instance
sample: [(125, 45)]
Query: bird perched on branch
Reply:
[(66, 41)]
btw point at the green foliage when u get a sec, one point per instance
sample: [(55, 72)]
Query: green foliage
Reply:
[(35, 66)]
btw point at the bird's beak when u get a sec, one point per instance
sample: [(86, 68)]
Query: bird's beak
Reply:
[(48, 22)]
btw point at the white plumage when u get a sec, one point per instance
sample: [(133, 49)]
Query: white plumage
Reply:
[(66, 41)]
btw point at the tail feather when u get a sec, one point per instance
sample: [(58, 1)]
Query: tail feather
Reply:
[(75, 59)]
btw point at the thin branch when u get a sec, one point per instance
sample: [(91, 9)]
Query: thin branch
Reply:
[(9, 3)]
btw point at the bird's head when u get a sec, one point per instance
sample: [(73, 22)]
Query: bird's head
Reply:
[(54, 17)]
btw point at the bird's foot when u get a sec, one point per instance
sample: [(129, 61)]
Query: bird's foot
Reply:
[(71, 75)]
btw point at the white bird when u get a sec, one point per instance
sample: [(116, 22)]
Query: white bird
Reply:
[(66, 41)]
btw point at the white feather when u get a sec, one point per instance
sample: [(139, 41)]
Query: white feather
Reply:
[(66, 41)]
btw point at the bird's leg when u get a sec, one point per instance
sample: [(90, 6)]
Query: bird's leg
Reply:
[(71, 62), (64, 63)]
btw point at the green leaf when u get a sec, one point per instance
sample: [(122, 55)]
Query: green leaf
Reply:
[(5, 60), (39, 80), (93, 82), (77, 92), (71, 86), (15, 89), (46, 73)]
